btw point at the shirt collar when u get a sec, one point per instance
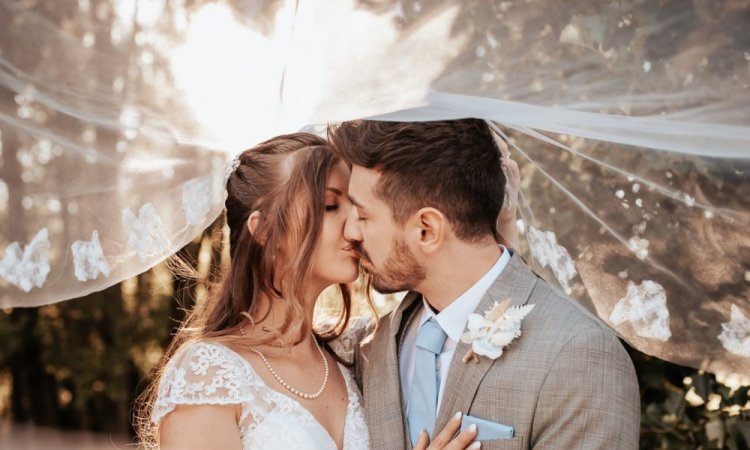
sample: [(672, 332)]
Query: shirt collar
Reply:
[(453, 318)]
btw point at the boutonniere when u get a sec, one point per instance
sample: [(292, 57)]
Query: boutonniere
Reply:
[(490, 334)]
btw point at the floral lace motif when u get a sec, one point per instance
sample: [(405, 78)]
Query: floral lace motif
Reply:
[(146, 234), (88, 258), (28, 267), (345, 345), (210, 373), (197, 199)]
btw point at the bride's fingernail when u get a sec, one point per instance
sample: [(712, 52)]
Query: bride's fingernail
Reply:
[(475, 446), (457, 415), (473, 428)]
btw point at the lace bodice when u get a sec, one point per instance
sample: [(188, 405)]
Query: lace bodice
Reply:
[(211, 373)]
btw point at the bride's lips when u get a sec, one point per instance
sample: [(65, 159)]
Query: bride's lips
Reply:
[(351, 252)]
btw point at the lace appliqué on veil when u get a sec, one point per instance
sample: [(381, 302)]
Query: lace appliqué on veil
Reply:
[(146, 233), (88, 258), (27, 268), (197, 199), (546, 250), (346, 344), (645, 307), (735, 334)]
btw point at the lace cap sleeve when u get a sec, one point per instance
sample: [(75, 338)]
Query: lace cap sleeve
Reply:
[(345, 345), (202, 373)]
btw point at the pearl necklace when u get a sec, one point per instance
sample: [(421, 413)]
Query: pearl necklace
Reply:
[(286, 385)]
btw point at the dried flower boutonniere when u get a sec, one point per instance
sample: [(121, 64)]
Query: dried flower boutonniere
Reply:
[(490, 334)]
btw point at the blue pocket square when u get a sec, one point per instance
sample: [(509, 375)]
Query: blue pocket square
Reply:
[(487, 430)]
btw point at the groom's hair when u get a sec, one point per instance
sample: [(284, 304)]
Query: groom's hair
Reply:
[(450, 165)]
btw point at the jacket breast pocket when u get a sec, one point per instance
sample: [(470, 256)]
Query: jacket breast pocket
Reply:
[(516, 443)]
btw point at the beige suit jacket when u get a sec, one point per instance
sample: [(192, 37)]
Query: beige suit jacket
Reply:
[(566, 383)]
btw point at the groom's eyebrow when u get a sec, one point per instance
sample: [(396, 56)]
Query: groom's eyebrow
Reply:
[(355, 202)]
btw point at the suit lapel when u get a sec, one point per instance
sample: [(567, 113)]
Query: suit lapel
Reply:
[(515, 282), (385, 383)]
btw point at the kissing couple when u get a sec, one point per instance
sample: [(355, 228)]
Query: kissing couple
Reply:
[(481, 352)]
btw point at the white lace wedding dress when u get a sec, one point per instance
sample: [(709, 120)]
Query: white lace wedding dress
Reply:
[(211, 373)]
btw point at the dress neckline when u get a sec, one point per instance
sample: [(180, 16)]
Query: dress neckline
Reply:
[(282, 397)]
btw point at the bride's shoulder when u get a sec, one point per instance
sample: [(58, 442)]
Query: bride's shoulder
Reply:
[(201, 354), (203, 372), (198, 364)]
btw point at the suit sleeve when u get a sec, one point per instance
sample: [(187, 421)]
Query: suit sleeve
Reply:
[(590, 397)]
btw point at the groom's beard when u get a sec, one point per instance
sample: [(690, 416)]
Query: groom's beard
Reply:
[(401, 271)]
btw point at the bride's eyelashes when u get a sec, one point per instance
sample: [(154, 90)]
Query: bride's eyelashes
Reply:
[(332, 207)]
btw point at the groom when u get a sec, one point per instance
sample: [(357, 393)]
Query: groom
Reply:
[(426, 198)]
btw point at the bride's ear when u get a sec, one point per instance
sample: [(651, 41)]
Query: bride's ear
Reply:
[(252, 222)]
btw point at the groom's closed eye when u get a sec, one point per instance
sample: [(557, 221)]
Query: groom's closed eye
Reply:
[(360, 215)]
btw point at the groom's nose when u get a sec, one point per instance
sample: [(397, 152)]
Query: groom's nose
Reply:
[(352, 230)]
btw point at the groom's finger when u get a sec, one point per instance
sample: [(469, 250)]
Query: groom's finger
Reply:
[(503, 146), (464, 440), (444, 437), (424, 440), (513, 173)]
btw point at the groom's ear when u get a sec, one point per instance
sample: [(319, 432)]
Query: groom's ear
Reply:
[(429, 226)]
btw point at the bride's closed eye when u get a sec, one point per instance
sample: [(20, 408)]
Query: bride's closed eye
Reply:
[(332, 207)]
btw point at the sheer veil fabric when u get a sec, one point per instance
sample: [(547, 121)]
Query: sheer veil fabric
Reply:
[(630, 120)]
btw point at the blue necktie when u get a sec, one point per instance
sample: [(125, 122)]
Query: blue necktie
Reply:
[(426, 383)]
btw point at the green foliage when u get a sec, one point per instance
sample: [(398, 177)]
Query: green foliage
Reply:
[(688, 409), (78, 364)]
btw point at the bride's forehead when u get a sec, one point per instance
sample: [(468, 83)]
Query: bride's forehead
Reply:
[(339, 176)]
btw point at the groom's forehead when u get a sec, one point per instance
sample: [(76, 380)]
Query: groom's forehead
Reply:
[(362, 188), (363, 180)]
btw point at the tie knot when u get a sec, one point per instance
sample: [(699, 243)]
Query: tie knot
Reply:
[(431, 337)]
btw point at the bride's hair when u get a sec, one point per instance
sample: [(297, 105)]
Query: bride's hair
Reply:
[(284, 179)]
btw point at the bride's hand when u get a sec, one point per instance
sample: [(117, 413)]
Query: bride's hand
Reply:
[(506, 222), (443, 440)]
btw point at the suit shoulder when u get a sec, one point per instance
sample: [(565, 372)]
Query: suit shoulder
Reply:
[(568, 319)]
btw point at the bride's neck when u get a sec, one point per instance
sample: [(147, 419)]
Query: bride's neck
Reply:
[(273, 314)]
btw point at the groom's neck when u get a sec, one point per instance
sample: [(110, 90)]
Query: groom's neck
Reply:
[(456, 270)]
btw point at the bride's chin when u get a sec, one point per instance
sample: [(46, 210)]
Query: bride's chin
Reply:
[(343, 275), (352, 273)]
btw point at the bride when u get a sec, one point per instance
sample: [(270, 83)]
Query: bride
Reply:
[(248, 371)]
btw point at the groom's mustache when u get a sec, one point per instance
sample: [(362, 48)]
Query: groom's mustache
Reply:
[(360, 251)]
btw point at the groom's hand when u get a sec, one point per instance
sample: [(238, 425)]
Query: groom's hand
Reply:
[(506, 222), (445, 440)]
